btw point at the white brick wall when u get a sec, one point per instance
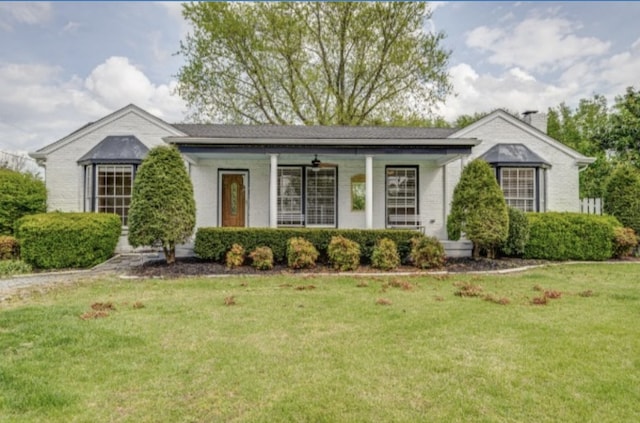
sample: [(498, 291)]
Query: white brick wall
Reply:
[(64, 177), (562, 177)]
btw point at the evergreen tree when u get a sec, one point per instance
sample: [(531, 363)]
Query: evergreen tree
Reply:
[(622, 196), (162, 205), (478, 209)]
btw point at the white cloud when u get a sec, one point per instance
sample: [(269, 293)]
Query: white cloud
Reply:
[(514, 90), (30, 13), (71, 27), (536, 44), (38, 107)]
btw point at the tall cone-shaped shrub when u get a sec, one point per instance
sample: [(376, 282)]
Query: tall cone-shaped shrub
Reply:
[(622, 196), (162, 206), (478, 209)]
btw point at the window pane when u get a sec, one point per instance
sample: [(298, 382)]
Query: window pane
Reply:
[(114, 190), (290, 196), (402, 196), (519, 187), (321, 197)]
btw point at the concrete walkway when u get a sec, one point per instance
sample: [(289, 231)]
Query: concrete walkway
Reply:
[(117, 264)]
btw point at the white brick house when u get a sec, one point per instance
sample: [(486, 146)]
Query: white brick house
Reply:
[(345, 177)]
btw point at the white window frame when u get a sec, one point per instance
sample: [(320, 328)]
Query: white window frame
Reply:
[(119, 196), (290, 206), (522, 191), (321, 197), (402, 204)]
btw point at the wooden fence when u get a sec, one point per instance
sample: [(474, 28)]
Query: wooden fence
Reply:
[(591, 205)]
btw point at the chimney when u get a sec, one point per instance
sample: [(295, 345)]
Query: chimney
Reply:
[(535, 119)]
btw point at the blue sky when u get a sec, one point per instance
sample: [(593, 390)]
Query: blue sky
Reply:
[(63, 64)]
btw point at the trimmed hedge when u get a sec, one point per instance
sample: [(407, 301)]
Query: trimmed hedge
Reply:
[(61, 240), (570, 236), (213, 243)]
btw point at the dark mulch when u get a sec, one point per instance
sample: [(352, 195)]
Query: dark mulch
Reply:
[(195, 267)]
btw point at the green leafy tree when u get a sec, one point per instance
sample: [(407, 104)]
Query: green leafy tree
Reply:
[(582, 129), (162, 205), (622, 196), (21, 194), (325, 63), (478, 209), (623, 131)]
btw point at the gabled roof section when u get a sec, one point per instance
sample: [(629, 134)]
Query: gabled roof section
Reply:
[(513, 155), (92, 126), (116, 149), (501, 114), (300, 132)]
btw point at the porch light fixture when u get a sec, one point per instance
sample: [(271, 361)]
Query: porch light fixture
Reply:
[(315, 164)]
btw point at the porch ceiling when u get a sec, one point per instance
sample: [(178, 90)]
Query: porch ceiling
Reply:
[(305, 158)]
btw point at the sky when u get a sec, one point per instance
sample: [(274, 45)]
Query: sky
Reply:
[(63, 64)]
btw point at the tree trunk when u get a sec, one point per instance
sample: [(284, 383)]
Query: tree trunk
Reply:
[(170, 254)]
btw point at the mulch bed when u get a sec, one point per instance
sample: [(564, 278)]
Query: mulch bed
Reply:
[(195, 267)]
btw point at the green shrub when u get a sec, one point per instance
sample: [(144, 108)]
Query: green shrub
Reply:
[(625, 242), (162, 205), (427, 252), (621, 196), (570, 236), (61, 240), (343, 253), (385, 255), (213, 243), (14, 267), (262, 258), (235, 256), (478, 209), (301, 254), (21, 194), (518, 234), (8, 247)]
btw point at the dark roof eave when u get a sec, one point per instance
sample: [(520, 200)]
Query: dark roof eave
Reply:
[(347, 143), (324, 149)]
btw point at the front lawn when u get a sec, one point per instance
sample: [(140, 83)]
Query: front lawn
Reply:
[(328, 348)]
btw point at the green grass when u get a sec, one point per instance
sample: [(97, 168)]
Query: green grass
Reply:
[(330, 353)]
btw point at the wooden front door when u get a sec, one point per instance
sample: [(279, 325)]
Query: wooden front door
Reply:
[(233, 200)]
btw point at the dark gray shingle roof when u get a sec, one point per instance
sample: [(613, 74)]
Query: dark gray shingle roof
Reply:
[(116, 149), (513, 154), (310, 132)]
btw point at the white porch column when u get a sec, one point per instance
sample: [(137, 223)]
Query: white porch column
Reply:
[(368, 197), (273, 192), (445, 195)]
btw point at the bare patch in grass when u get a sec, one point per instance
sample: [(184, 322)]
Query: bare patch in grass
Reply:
[(540, 300), (305, 287), (95, 314), (552, 294), (362, 284), (497, 300), (138, 305), (383, 301), (438, 298), (404, 285), (103, 306), (467, 289), (230, 301)]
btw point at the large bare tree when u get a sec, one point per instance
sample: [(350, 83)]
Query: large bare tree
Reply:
[(311, 62)]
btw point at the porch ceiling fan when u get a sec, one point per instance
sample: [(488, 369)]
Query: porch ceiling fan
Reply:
[(316, 164)]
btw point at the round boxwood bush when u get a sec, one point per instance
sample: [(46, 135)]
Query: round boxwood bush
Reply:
[(385, 255), (343, 253), (301, 254), (62, 240)]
